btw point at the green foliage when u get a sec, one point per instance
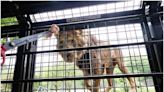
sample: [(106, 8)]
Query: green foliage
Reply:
[(3, 40), (6, 75), (137, 64), (141, 89), (140, 64), (59, 71), (6, 87), (9, 21)]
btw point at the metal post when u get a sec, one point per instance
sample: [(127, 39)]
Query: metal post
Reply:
[(20, 58), (152, 55), (24, 68), (157, 32), (30, 65)]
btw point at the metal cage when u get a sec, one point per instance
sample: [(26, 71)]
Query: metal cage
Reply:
[(135, 29)]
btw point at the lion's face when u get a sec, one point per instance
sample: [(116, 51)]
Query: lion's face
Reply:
[(70, 39)]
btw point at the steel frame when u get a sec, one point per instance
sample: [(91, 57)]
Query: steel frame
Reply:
[(23, 76)]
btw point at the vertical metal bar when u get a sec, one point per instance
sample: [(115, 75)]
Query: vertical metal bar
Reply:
[(30, 65), (20, 58), (24, 68), (157, 32), (151, 52)]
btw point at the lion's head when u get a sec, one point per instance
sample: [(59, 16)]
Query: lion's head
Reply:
[(67, 40)]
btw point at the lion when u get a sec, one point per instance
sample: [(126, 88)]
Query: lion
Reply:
[(91, 62)]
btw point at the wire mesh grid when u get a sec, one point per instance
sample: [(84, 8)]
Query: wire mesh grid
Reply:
[(7, 70), (52, 65), (87, 11)]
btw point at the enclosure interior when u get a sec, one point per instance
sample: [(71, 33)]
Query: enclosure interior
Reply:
[(128, 26)]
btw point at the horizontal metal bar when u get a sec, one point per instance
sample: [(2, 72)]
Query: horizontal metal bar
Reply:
[(64, 22), (12, 28), (38, 7), (93, 24), (157, 74), (126, 17), (101, 17), (91, 47), (110, 19), (119, 18), (77, 26)]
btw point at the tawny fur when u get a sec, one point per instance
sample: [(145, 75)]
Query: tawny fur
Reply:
[(102, 60)]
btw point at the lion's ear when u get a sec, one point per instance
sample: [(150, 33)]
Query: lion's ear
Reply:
[(78, 33)]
